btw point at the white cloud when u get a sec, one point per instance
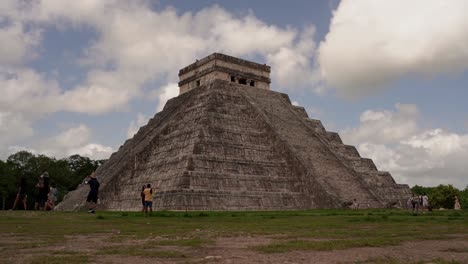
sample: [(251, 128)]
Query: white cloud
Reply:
[(136, 45), (135, 125), (397, 143), (384, 127), (17, 43), (371, 43), (26, 92), (13, 128), (292, 66), (74, 140), (167, 92)]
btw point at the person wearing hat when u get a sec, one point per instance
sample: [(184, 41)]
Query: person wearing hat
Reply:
[(93, 192)]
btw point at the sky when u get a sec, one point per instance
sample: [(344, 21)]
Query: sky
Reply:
[(80, 77)]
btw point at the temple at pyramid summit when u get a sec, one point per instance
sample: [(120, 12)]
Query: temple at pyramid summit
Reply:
[(228, 142)]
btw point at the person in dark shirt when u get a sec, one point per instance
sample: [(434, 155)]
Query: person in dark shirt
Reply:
[(93, 192), (42, 191), (21, 195)]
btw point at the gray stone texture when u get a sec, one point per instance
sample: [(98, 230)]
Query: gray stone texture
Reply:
[(226, 146)]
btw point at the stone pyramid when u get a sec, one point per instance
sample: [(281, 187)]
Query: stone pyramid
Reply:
[(229, 143)]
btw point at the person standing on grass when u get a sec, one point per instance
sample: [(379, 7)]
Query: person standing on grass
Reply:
[(415, 203), (148, 192), (21, 195), (457, 205), (93, 192), (425, 202), (42, 191), (52, 197), (142, 194)]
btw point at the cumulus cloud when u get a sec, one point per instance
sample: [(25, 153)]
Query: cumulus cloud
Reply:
[(371, 43), (413, 155), (167, 92), (134, 46), (385, 127), (13, 127), (136, 124), (74, 140), (17, 43)]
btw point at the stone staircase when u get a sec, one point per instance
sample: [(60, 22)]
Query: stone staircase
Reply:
[(305, 140), (224, 146)]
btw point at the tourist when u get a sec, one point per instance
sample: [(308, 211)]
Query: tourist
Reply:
[(415, 203), (142, 194), (92, 198), (425, 202), (42, 191), (52, 197), (409, 203), (355, 205), (457, 205), (21, 194), (148, 192)]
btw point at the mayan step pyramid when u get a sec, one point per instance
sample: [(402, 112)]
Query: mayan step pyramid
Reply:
[(229, 143)]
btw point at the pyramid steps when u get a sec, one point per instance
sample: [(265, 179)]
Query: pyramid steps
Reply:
[(223, 146), (339, 180)]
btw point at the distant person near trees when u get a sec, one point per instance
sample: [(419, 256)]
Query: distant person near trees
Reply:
[(52, 197), (142, 195), (42, 191), (148, 192), (425, 202), (415, 203), (92, 198), (21, 194), (457, 205)]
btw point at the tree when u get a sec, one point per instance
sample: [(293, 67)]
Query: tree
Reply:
[(66, 174), (7, 183), (80, 167), (443, 196)]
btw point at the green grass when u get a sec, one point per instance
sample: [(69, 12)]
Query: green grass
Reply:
[(176, 234), (292, 245)]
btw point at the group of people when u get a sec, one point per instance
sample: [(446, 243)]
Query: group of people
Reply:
[(417, 202), (421, 202), (147, 193), (46, 194)]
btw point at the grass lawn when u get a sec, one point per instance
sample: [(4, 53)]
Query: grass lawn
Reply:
[(77, 237)]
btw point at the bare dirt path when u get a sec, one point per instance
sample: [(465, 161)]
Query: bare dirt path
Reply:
[(240, 250)]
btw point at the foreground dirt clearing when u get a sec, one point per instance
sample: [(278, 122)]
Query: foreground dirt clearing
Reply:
[(312, 236), (239, 250)]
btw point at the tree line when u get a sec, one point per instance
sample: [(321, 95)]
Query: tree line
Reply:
[(65, 173), (69, 172)]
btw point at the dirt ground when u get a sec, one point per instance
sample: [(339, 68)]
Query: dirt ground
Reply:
[(239, 250)]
